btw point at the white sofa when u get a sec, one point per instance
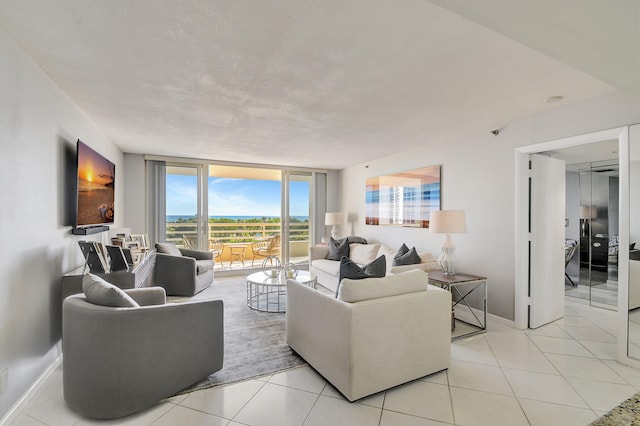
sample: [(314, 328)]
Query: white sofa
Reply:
[(328, 271), (365, 346)]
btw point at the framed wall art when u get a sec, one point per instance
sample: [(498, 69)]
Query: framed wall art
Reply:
[(404, 199)]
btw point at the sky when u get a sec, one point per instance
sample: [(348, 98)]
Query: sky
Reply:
[(234, 197)]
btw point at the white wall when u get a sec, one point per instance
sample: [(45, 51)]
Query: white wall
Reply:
[(478, 177), (39, 126)]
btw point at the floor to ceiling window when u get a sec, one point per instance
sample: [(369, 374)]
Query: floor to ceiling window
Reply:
[(244, 215)]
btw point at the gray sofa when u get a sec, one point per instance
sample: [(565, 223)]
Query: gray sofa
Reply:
[(182, 272), (118, 361)]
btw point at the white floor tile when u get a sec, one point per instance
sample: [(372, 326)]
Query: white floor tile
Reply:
[(602, 396), (543, 387), (391, 418), (630, 374), (223, 401), (303, 378), (481, 408), (575, 321), (276, 405), (590, 334), (479, 377), (24, 420), (478, 353), (523, 360), (513, 339), (601, 350), (557, 345), (546, 414), (549, 330), (585, 368), (440, 377), (422, 399), (332, 411), (186, 416), (53, 412)]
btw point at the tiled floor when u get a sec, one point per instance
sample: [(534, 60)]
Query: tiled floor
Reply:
[(560, 374)]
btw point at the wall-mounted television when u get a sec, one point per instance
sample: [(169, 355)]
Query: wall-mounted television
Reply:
[(95, 188)]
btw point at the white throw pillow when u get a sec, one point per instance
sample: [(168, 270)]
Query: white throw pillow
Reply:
[(388, 254), (363, 254), (99, 292), (374, 288), (426, 257)]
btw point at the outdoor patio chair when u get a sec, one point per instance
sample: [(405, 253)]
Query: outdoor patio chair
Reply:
[(267, 249)]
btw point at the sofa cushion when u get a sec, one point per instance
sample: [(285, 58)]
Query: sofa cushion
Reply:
[(363, 253), (203, 266), (168, 248), (374, 288), (337, 249), (327, 266), (100, 292), (406, 257)]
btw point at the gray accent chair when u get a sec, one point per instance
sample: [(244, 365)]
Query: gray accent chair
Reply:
[(117, 361), (182, 272)]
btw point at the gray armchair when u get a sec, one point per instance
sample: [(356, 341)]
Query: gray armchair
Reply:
[(182, 272), (118, 361)]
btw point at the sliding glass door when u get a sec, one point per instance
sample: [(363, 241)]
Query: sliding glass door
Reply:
[(243, 215), (185, 209)]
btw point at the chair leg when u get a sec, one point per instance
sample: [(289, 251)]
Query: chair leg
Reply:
[(570, 280)]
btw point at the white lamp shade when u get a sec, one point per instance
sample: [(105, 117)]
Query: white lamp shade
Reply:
[(447, 222), (334, 218)]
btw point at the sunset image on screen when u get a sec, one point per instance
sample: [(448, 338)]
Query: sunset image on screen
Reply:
[(96, 177)]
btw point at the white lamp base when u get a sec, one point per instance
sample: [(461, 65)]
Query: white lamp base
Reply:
[(447, 260), (334, 233)]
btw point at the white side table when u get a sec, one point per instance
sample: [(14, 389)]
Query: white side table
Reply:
[(462, 286)]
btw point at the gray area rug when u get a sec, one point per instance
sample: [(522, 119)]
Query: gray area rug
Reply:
[(254, 342), (627, 413)]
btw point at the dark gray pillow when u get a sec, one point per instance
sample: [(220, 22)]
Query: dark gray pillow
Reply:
[(168, 248), (338, 248), (353, 239), (349, 269), (408, 257)]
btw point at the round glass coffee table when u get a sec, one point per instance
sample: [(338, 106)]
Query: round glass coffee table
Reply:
[(267, 294)]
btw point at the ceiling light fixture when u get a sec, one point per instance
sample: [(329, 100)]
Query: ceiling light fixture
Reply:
[(552, 99)]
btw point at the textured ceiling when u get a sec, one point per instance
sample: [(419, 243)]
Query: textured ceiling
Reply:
[(318, 84)]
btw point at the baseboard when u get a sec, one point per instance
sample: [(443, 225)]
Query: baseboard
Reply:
[(21, 403), (465, 315)]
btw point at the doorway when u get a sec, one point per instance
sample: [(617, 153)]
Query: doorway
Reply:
[(619, 136)]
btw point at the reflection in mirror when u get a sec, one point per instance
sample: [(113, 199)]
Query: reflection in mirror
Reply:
[(634, 245), (592, 212)]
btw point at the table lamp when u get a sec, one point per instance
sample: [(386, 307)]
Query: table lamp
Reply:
[(447, 222), (334, 219)]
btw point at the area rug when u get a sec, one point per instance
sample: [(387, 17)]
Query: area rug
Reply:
[(627, 413), (254, 342)]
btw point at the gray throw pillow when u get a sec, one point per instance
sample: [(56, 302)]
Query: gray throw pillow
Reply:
[(406, 256), (337, 249), (353, 239), (349, 269), (168, 248), (99, 292)]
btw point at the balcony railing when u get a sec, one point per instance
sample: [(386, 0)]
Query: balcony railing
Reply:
[(184, 234)]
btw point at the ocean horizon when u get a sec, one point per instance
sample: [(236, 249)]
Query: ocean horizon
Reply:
[(175, 218)]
